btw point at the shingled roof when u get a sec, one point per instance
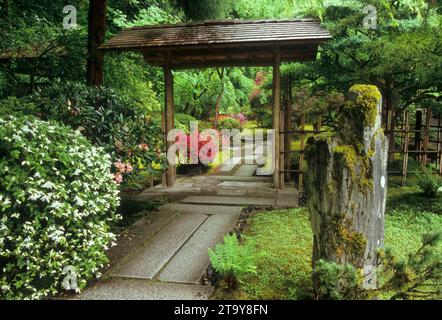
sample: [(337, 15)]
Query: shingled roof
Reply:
[(222, 42)]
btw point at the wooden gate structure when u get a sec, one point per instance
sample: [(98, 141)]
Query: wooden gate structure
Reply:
[(420, 139), (224, 43)]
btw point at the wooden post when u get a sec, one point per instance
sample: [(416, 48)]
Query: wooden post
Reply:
[(405, 148), (169, 120), (439, 142), (276, 115), (288, 127), (418, 134), (426, 136), (318, 124), (390, 130), (301, 153), (282, 129)]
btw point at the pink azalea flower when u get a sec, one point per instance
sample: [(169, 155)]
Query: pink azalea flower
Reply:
[(120, 166), (118, 177), (129, 168)]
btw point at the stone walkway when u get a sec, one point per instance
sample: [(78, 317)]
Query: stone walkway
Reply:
[(165, 255)]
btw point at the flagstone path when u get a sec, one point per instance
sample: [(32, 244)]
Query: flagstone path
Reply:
[(165, 255)]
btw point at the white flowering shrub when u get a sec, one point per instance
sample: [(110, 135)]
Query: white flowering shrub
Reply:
[(57, 202)]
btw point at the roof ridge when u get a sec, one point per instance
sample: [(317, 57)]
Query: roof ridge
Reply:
[(220, 22)]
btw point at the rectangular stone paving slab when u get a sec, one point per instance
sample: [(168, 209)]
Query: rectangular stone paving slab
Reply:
[(201, 208), (137, 235), (230, 200), (246, 170), (149, 259), (191, 262), (139, 289)]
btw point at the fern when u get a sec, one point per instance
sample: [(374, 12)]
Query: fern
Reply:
[(233, 260)]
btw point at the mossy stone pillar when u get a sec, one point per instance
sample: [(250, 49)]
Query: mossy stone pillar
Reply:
[(347, 177)]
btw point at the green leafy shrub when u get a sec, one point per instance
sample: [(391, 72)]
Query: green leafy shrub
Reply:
[(233, 260), (182, 121), (109, 120), (229, 123), (57, 202), (427, 182), (16, 106), (202, 125)]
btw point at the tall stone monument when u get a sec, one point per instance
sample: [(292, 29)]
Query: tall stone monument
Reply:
[(347, 184)]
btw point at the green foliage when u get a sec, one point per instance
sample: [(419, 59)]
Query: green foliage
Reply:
[(401, 55), (196, 92), (129, 77), (233, 260), (141, 14), (418, 276), (337, 281), (18, 107), (57, 202), (228, 123), (54, 52), (108, 120), (182, 121), (428, 182), (205, 9)]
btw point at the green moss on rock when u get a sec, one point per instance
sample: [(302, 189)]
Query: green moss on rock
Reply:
[(364, 104), (350, 157)]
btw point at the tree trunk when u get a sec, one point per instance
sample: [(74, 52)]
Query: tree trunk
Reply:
[(96, 34), (288, 127), (5, 8), (390, 107)]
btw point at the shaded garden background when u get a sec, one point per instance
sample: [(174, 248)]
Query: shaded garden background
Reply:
[(44, 75)]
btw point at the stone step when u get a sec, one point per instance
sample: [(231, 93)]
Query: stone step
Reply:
[(224, 200), (241, 178), (201, 208), (247, 170), (246, 184), (287, 198), (148, 260), (139, 289), (191, 262), (226, 167)]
